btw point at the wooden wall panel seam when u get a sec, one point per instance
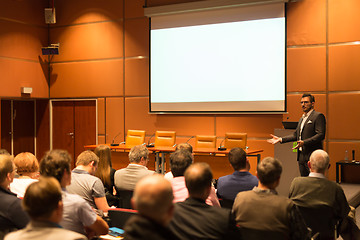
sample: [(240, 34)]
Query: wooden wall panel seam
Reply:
[(23, 23), (86, 23), (100, 59), (19, 59)]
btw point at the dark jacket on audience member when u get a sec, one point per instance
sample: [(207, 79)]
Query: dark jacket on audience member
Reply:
[(12, 216), (139, 227), (194, 219)]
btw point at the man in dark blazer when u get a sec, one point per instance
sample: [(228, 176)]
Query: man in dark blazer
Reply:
[(309, 133), (193, 218)]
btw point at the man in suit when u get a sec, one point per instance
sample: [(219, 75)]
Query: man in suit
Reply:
[(153, 198), (12, 216), (315, 191), (193, 218), (309, 134), (43, 203), (126, 178), (241, 180)]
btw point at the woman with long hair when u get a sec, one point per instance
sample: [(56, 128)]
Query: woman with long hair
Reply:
[(106, 173)]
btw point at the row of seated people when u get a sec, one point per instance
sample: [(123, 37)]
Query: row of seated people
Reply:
[(287, 221)]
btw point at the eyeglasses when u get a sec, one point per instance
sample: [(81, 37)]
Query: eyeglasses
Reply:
[(304, 102)]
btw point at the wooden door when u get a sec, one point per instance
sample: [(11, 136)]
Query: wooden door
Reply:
[(6, 125), (23, 127), (85, 124), (74, 125), (63, 126), (18, 126)]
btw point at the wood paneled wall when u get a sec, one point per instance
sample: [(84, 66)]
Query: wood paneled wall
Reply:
[(104, 54), (22, 34)]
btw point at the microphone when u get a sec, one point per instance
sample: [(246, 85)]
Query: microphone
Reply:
[(222, 148), (115, 144), (150, 144), (189, 139)]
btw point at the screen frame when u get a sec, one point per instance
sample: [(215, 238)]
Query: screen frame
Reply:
[(226, 112)]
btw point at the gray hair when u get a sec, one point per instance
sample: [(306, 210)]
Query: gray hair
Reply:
[(269, 170), (138, 152), (319, 161)]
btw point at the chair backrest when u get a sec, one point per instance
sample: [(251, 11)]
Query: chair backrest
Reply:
[(235, 140), (124, 198), (165, 138), (119, 216), (205, 141), (226, 203), (321, 220), (134, 137)]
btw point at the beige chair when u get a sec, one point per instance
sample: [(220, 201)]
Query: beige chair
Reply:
[(165, 138), (205, 141), (134, 137), (235, 140)]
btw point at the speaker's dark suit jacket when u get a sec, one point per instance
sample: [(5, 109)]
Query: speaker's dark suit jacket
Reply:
[(313, 134)]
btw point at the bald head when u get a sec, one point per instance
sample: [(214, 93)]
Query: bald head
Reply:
[(153, 198), (198, 179), (319, 161)]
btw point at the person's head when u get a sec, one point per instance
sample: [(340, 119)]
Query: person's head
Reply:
[(88, 161), (269, 172), (4, 152), (139, 154), (319, 161), (26, 164), (56, 163), (42, 200), (103, 170), (307, 102), (198, 179), (184, 146), (180, 160), (7, 170), (153, 198), (237, 159)]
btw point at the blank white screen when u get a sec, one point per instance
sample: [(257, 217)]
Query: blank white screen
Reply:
[(227, 60)]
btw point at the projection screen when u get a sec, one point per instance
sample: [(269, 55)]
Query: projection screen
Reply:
[(227, 60)]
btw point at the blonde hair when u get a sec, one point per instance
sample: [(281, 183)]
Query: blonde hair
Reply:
[(26, 162), (86, 157), (103, 170)]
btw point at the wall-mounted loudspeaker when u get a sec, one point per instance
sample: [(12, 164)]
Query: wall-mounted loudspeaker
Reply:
[(50, 17)]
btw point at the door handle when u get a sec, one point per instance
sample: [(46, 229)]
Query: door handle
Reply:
[(70, 134)]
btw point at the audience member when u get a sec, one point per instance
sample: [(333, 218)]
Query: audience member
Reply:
[(4, 152), (78, 216), (316, 191), (42, 201), (28, 172), (183, 146), (264, 213), (180, 160), (86, 185), (12, 217), (241, 180), (126, 178), (153, 200), (193, 218), (106, 173)]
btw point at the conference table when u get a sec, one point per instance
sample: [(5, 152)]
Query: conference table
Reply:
[(161, 151)]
